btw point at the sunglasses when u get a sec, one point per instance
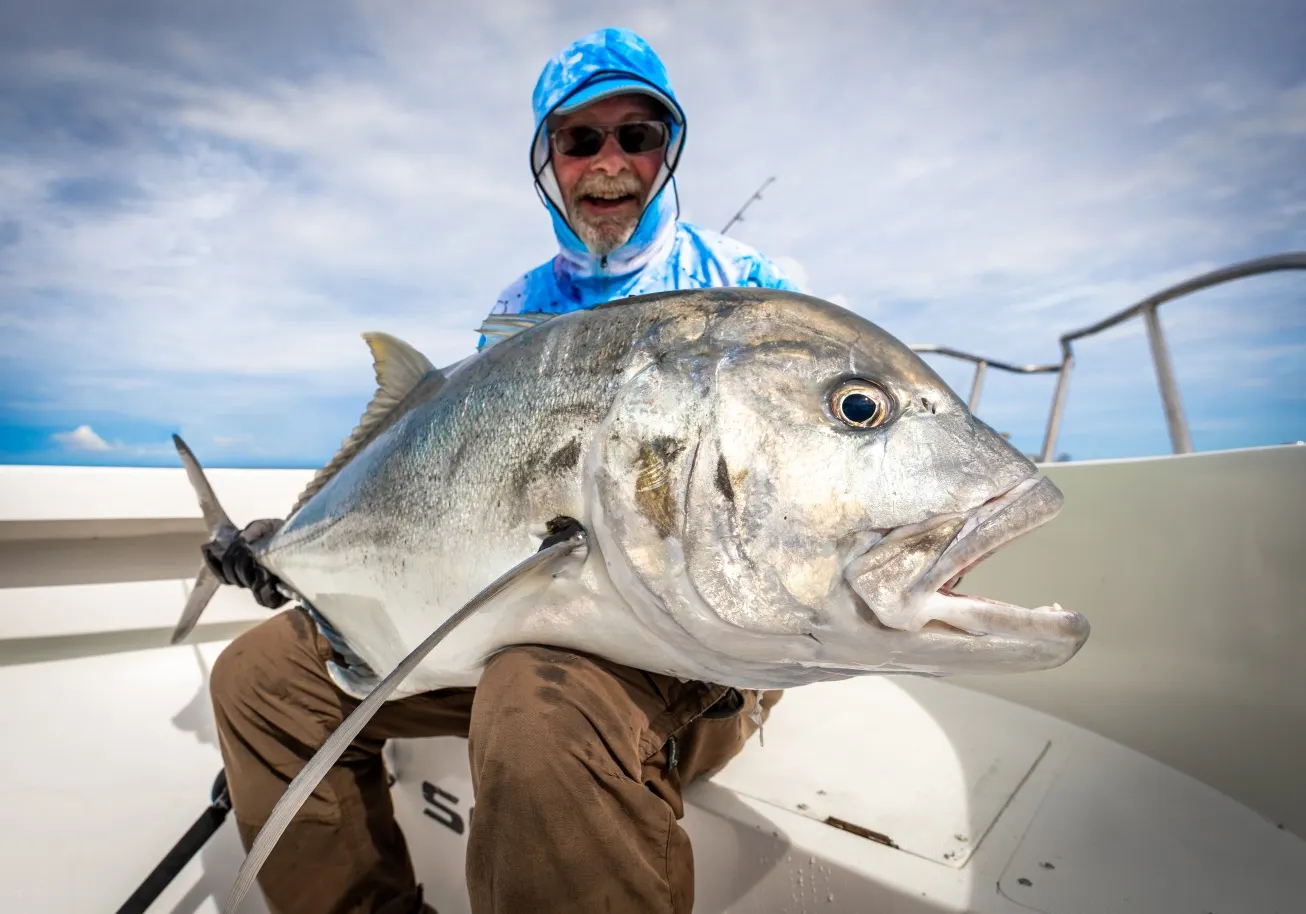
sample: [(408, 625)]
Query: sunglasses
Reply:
[(634, 137)]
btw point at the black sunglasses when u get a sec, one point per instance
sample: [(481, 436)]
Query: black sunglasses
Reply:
[(583, 140)]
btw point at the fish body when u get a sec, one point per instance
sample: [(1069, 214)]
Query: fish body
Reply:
[(775, 492)]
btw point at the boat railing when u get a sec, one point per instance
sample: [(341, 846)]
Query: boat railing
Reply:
[(1177, 422)]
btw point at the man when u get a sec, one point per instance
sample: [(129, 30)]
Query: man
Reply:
[(578, 764), (608, 138)]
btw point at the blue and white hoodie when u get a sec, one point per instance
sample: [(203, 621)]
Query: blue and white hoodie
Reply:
[(664, 253)]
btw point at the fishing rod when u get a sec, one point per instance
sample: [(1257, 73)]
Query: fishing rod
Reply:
[(209, 821), (739, 214)]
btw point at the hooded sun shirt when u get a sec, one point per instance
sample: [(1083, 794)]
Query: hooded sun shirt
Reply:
[(663, 253)]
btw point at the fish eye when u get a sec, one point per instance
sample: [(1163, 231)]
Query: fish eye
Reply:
[(860, 404)]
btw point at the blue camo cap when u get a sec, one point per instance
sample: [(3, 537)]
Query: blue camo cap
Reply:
[(605, 85), (603, 63)]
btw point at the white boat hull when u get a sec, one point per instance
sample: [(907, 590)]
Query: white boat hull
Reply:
[(986, 806), (872, 795)]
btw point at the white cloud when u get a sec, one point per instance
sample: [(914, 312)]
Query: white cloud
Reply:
[(82, 438), (982, 177)]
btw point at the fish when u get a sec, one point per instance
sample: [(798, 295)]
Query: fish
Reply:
[(754, 488), (774, 491)]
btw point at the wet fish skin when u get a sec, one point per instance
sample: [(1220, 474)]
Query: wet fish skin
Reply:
[(733, 518)]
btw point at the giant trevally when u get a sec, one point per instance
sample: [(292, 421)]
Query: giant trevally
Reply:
[(771, 491), (776, 492)]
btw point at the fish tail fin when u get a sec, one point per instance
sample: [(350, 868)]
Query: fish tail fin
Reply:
[(221, 530), (206, 585), (215, 518)]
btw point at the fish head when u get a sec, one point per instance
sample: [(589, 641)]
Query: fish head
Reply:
[(788, 493)]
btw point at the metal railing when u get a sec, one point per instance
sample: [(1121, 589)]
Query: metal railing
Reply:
[(1180, 440)]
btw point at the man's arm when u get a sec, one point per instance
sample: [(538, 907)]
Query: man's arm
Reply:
[(766, 274), (742, 263)]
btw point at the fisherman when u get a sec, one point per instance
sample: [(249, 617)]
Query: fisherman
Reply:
[(608, 136), (578, 764)]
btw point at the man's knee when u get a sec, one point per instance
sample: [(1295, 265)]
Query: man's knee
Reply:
[(525, 699), (542, 715), (231, 678), (554, 748), (259, 662)]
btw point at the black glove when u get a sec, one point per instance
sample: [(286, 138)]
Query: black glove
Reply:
[(235, 564), (559, 529)]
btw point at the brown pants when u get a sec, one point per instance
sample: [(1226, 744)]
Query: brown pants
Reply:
[(577, 765)]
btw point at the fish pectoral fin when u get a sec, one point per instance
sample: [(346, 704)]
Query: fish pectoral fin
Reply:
[(399, 369), (541, 564)]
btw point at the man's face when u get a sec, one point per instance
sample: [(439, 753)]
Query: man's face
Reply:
[(605, 192)]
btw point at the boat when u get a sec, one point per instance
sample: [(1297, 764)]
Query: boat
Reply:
[(1159, 772)]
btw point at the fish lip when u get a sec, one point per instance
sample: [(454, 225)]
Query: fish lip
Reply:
[(944, 613), (994, 525), (1022, 509)]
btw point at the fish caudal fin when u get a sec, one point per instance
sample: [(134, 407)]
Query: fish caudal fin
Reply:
[(206, 585), (221, 530), (215, 518)]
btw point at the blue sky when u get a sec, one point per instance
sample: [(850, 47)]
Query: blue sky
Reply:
[(203, 205)]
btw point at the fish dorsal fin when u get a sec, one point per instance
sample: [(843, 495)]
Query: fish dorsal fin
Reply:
[(399, 368)]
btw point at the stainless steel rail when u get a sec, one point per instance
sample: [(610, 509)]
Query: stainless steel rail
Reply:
[(981, 365), (1180, 440)]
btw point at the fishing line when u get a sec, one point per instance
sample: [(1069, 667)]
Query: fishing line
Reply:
[(311, 775)]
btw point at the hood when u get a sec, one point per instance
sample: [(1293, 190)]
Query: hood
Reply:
[(602, 63)]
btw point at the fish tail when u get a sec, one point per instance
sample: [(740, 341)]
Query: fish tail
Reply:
[(221, 531)]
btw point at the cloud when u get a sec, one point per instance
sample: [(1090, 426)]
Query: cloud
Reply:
[(204, 207), (82, 438), (85, 442)]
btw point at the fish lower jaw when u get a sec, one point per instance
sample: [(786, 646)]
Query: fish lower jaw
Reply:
[(981, 616), (966, 616)]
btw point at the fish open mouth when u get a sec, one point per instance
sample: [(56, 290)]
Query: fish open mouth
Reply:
[(933, 603), (995, 524)]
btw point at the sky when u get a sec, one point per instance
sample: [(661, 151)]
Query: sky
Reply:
[(203, 205)]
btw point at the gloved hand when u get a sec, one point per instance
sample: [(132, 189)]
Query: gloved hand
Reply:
[(559, 529), (235, 564)]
